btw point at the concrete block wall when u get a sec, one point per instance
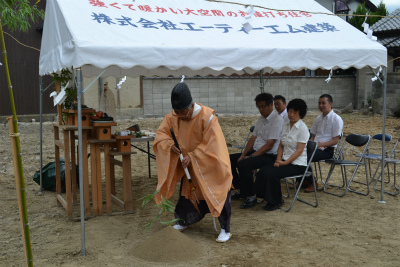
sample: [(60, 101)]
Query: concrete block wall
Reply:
[(375, 89), (393, 84), (236, 95)]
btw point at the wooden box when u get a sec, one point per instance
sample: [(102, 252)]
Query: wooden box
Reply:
[(73, 116), (102, 129), (124, 143)]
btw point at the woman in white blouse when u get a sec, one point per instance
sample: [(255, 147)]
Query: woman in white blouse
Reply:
[(291, 158)]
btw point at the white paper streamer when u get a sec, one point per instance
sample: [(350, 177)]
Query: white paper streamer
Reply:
[(121, 82), (54, 94), (246, 23), (366, 27), (369, 34), (377, 75), (329, 77), (247, 26), (250, 10), (183, 78), (60, 98), (363, 25)]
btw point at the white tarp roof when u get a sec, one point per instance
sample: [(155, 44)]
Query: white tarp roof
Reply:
[(197, 37)]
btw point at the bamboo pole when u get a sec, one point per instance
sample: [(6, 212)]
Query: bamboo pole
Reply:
[(17, 159)]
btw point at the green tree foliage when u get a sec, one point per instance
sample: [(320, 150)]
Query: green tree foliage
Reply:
[(18, 14), (357, 21), (381, 10)]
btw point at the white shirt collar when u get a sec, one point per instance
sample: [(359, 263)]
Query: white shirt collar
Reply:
[(196, 110)]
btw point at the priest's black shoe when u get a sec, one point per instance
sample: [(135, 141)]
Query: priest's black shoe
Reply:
[(236, 195), (248, 203)]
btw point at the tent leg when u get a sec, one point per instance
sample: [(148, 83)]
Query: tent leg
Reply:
[(261, 81), (384, 72), (81, 145), (41, 132)]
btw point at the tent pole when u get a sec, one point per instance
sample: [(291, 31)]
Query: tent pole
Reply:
[(101, 89), (41, 127), (384, 72), (80, 142), (41, 132), (261, 81)]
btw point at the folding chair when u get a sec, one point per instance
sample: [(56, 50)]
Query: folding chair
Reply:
[(356, 141), (245, 141), (371, 156), (391, 159), (336, 155), (311, 148)]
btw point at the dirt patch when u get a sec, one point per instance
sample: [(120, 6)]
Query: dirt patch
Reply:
[(168, 246)]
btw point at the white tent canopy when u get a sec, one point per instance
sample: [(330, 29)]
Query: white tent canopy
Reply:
[(197, 37)]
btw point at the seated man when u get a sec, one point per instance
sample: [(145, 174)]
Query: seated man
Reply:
[(326, 130), (259, 151), (280, 106)]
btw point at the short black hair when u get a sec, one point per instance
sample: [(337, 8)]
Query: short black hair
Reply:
[(280, 97), (267, 97), (329, 97), (299, 105)]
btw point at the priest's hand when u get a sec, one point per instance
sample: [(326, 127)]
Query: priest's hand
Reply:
[(175, 150), (186, 161)]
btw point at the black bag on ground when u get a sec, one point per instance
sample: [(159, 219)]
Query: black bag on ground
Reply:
[(49, 176)]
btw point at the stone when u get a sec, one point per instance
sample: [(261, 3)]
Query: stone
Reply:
[(392, 105), (348, 109), (366, 111)]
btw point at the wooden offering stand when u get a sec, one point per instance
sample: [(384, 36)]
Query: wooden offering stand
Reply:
[(126, 204), (67, 143), (73, 116), (124, 143), (102, 129), (109, 167)]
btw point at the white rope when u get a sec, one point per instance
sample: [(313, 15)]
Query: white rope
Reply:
[(183, 78)]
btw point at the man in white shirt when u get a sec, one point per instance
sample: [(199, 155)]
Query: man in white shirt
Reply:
[(326, 130), (280, 106), (260, 150)]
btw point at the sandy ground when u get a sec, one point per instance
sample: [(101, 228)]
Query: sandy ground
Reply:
[(353, 230)]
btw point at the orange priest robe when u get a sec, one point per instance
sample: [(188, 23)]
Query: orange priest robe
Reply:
[(210, 169)]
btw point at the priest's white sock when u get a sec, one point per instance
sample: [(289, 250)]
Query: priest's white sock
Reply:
[(223, 236), (179, 227)]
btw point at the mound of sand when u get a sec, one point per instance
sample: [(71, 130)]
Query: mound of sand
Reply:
[(168, 246)]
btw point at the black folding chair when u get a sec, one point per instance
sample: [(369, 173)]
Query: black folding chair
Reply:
[(355, 141), (374, 157), (311, 148), (390, 159), (336, 155)]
